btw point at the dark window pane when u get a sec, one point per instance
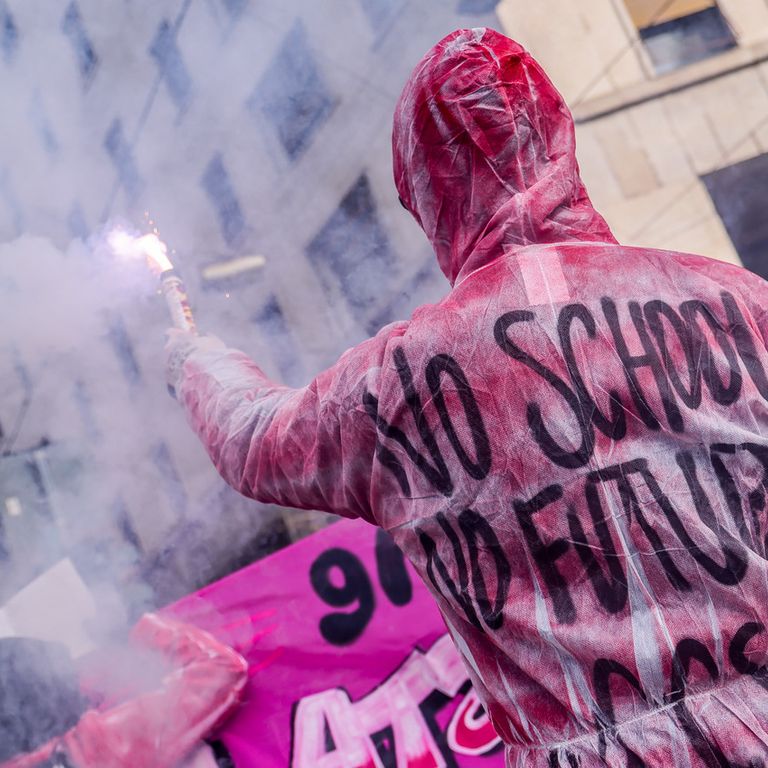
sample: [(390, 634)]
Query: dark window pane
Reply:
[(195, 554), (278, 336), (166, 53), (646, 13), (379, 11), (353, 250), (29, 537), (84, 403), (292, 94), (119, 150), (76, 222), (739, 192), (476, 6), (42, 125), (73, 27), (235, 7), (9, 33), (125, 526), (683, 41), (174, 488), (427, 286), (123, 349), (218, 187)]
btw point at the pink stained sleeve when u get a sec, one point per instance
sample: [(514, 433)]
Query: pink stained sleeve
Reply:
[(309, 448), (159, 728)]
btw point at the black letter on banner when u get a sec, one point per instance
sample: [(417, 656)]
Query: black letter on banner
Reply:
[(437, 475), (479, 468), (343, 628), (546, 555), (649, 359), (686, 651), (654, 312), (722, 393), (461, 593), (735, 566), (474, 526), (619, 474), (601, 681), (551, 449), (611, 589), (616, 426), (393, 575), (739, 330)]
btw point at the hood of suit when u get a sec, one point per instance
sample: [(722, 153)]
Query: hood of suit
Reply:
[(485, 155)]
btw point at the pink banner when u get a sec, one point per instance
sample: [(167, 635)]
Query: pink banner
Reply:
[(350, 663)]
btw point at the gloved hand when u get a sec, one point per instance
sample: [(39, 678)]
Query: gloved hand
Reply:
[(179, 346)]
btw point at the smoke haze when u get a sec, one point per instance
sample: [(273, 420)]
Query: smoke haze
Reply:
[(240, 128)]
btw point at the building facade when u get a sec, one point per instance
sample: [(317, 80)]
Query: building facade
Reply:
[(671, 103), (246, 128), (239, 128)]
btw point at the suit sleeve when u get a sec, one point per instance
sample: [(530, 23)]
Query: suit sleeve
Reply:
[(158, 728), (309, 448)]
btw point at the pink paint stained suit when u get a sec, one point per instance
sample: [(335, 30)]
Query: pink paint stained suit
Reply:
[(569, 447), (158, 728)]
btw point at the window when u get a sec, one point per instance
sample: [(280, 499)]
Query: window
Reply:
[(738, 192), (78, 227), (680, 32), (84, 403), (126, 527), (165, 52), (235, 8), (29, 535), (42, 125), (380, 12), (173, 487), (427, 286), (72, 26), (9, 33), (121, 153), (117, 335), (292, 94), (476, 7), (352, 250), (221, 194), (108, 562)]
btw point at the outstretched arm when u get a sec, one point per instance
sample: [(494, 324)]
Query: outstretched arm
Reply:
[(310, 448)]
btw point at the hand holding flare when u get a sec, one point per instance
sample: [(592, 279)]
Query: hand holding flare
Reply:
[(184, 331), (156, 253)]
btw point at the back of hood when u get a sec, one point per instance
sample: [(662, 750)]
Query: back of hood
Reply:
[(484, 153)]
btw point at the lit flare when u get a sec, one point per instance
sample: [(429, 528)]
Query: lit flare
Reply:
[(150, 246), (155, 252)]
